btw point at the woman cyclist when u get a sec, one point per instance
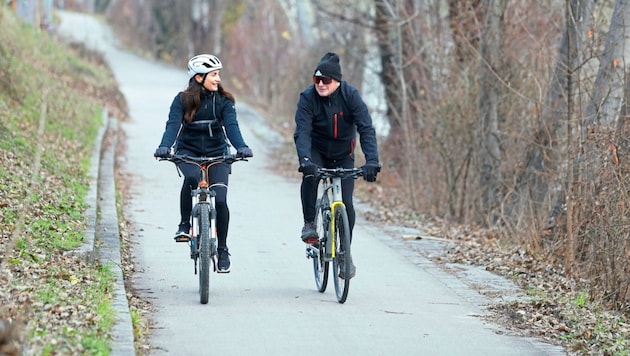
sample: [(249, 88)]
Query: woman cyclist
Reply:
[(199, 120)]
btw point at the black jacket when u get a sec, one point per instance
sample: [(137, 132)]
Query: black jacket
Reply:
[(329, 125), (205, 135)]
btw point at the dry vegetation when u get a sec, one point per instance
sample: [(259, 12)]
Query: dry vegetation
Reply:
[(50, 301)]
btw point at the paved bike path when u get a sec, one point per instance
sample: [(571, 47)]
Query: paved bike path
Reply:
[(399, 303)]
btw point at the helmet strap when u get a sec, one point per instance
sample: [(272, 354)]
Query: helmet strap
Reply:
[(203, 81), (203, 78)]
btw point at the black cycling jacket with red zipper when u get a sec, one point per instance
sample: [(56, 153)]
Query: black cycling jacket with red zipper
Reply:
[(330, 124)]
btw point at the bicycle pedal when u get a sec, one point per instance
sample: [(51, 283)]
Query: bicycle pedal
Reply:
[(182, 238), (311, 251)]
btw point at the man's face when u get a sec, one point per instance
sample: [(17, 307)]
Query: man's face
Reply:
[(325, 85)]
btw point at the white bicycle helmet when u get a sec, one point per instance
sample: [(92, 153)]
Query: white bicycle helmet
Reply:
[(202, 64)]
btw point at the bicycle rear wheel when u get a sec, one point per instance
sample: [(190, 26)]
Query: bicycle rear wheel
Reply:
[(204, 253), (342, 261), (320, 262)]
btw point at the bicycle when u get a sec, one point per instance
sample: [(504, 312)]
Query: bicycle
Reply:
[(203, 237), (333, 231)]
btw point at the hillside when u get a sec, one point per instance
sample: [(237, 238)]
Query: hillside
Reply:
[(51, 100)]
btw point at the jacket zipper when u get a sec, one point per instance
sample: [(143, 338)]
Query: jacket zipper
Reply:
[(335, 127)]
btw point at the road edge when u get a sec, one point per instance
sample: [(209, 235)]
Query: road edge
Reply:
[(101, 243)]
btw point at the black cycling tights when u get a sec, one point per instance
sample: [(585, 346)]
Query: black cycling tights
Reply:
[(219, 174)]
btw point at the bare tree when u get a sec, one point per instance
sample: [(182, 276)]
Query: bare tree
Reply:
[(545, 158), (404, 77), (489, 140), (597, 232)]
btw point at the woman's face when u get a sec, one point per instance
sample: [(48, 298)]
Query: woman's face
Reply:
[(325, 89), (211, 82)]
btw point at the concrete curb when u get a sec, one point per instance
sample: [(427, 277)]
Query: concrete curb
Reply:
[(102, 237), (86, 250)]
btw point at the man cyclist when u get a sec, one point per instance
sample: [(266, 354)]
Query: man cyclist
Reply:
[(329, 114)]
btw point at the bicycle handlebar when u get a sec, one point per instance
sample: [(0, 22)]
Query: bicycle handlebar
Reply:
[(339, 172), (230, 158)]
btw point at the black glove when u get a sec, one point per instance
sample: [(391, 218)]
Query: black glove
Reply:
[(369, 171), (244, 152), (162, 152), (307, 167)]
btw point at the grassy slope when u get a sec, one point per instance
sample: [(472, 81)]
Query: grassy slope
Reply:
[(50, 112)]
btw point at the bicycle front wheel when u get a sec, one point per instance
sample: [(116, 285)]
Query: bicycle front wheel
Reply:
[(342, 260), (204, 253), (320, 262)]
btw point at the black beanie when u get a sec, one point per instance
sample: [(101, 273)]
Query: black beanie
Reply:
[(329, 66)]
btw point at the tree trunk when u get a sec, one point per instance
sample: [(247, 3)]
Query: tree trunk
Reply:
[(551, 142), (596, 182), (602, 114), (383, 31), (488, 103)]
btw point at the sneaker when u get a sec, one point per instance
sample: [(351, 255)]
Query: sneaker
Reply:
[(309, 235), (353, 268), (183, 233), (223, 266)]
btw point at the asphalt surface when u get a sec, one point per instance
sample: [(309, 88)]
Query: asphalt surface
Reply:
[(400, 303)]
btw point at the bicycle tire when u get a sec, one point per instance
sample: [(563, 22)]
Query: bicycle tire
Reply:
[(204, 253), (320, 262), (342, 250)]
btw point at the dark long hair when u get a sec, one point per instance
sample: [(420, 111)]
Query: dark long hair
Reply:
[(191, 98)]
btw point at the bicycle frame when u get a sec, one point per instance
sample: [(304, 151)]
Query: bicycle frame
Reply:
[(331, 181), (332, 224), (203, 195), (334, 233), (332, 184)]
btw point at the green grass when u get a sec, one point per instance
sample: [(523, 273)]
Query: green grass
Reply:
[(581, 300), (107, 316), (536, 293), (58, 291), (47, 206)]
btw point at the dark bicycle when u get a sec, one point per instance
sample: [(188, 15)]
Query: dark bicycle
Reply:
[(203, 237)]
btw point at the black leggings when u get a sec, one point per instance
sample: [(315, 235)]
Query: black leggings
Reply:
[(219, 174), (309, 188)]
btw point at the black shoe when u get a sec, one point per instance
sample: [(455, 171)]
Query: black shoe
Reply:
[(183, 233), (309, 235), (223, 266), (353, 268)]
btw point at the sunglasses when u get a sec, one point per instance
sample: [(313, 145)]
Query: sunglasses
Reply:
[(323, 79)]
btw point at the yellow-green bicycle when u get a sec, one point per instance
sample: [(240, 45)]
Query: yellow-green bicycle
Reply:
[(333, 230)]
